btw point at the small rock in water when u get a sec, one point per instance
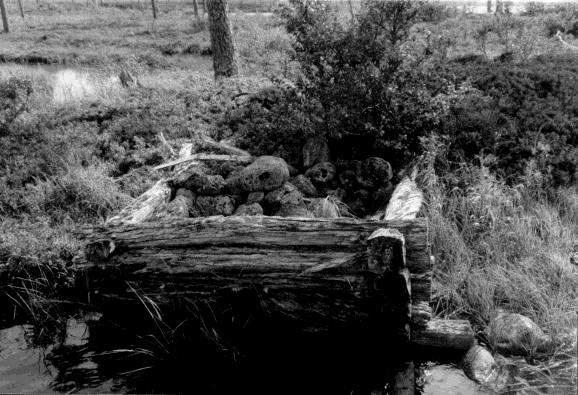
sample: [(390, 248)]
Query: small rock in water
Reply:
[(76, 333), (517, 334), (249, 209), (480, 366)]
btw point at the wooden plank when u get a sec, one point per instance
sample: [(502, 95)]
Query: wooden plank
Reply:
[(332, 235), (226, 158), (447, 334), (144, 206)]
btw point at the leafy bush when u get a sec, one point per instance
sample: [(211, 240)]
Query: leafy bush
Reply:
[(368, 88), (14, 96), (524, 116)]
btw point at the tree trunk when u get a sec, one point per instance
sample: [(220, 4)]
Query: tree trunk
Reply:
[(224, 56), (4, 17), (154, 9), (196, 9), (20, 8), (489, 7), (499, 7)]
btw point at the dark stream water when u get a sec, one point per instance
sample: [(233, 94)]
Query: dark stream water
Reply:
[(70, 367)]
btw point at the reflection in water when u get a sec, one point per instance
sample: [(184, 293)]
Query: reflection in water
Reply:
[(76, 366), (70, 86)]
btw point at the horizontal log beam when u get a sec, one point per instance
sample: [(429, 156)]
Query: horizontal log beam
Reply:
[(447, 334), (331, 235)]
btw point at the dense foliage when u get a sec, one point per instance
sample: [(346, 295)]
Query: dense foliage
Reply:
[(367, 86)]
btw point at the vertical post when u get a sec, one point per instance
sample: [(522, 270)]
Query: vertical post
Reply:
[(154, 9), (386, 257), (4, 17)]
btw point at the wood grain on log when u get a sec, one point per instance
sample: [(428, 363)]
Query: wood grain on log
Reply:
[(421, 313), (344, 234), (386, 246), (448, 334), (260, 244)]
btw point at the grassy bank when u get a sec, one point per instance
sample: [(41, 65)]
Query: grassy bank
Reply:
[(500, 241)]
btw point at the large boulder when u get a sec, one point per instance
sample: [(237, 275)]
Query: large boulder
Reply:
[(322, 173), (304, 185), (479, 365), (249, 209), (514, 333), (315, 150), (266, 173), (215, 205), (287, 194), (197, 179)]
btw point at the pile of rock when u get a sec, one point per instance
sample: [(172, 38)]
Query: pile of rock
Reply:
[(268, 186)]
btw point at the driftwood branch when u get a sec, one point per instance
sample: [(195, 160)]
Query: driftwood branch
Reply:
[(194, 157)]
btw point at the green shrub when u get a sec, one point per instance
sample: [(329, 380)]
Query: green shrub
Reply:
[(14, 96), (371, 91)]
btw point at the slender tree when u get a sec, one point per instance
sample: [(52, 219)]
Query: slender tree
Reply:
[(20, 8), (196, 9), (499, 7), (222, 44), (489, 9), (154, 9), (4, 17)]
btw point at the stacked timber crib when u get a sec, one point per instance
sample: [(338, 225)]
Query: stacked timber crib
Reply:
[(321, 274)]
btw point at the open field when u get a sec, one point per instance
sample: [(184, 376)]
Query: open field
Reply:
[(504, 229)]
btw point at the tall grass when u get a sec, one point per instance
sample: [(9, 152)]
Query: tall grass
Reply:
[(503, 247)]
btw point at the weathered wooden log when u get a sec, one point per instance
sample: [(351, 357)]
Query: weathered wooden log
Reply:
[(196, 157), (446, 334), (386, 246), (404, 204), (386, 255), (144, 206), (324, 272), (421, 313), (257, 243)]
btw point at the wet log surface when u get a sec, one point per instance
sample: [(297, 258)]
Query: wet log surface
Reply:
[(445, 334)]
